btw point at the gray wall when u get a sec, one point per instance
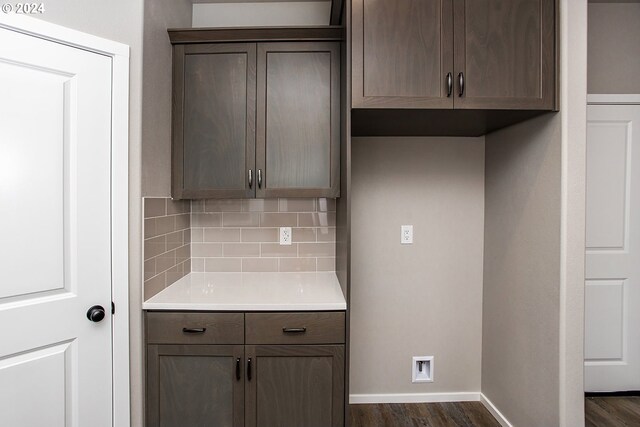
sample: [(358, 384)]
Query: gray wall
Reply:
[(533, 302), (263, 13), (120, 20), (426, 298), (156, 92), (520, 322), (614, 48)]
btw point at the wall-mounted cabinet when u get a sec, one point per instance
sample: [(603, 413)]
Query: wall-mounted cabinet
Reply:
[(256, 119), (214, 120), (494, 58), (402, 53)]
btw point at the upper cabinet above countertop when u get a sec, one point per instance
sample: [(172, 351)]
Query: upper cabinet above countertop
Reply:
[(257, 115), (493, 62)]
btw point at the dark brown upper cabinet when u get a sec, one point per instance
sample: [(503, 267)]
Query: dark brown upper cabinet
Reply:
[(298, 126), (402, 54), (414, 61), (474, 54), (214, 101), (256, 119), (504, 54)]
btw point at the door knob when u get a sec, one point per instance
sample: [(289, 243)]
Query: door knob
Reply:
[(96, 313)]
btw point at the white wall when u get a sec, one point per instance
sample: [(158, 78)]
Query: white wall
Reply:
[(426, 298), (120, 20)]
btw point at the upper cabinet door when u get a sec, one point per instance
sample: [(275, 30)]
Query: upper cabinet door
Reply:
[(402, 54), (214, 120), (505, 54), (298, 120)]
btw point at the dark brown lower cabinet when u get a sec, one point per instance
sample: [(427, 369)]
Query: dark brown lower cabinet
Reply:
[(195, 385), (289, 372), (295, 386)]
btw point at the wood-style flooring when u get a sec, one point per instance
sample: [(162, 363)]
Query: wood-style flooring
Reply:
[(599, 412), (612, 411), (453, 414)]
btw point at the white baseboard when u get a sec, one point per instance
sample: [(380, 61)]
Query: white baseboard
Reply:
[(414, 397), (494, 411)]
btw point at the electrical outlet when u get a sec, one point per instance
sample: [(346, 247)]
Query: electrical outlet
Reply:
[(406, 234), (422, 369), (285, 236)]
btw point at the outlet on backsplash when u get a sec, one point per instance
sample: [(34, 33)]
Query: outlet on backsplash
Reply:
[(285, 236)]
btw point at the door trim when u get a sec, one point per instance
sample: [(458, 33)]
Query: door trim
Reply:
[(613, 98), (119, 53)]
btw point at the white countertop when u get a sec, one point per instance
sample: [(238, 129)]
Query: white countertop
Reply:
[(251, 292)]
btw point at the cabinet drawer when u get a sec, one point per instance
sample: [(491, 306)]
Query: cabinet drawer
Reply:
[(195, 328), (295, 328)]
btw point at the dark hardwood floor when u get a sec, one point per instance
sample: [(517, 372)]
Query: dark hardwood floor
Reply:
[(454, 414), (599, 412), (612, 411)]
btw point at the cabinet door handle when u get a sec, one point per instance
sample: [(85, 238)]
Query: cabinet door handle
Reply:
[(461, 83), (249, 369), (250, 178), (194, 330), (294, 330), (259, 178), (238, 369), (449, 84)]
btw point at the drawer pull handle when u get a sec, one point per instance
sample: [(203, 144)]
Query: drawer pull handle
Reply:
[(238, 369), (249, 369), (294, 330), (194, 330)]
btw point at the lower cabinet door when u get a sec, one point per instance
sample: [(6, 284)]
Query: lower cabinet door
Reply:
[(195, 385), (295, 386)]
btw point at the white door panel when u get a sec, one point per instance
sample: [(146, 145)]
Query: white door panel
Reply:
[(41, 375), (55, 151), (605, 323), (612, 288), (608, 152)]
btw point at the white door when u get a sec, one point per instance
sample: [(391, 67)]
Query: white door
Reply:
[(55, 136), (612, 293)]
